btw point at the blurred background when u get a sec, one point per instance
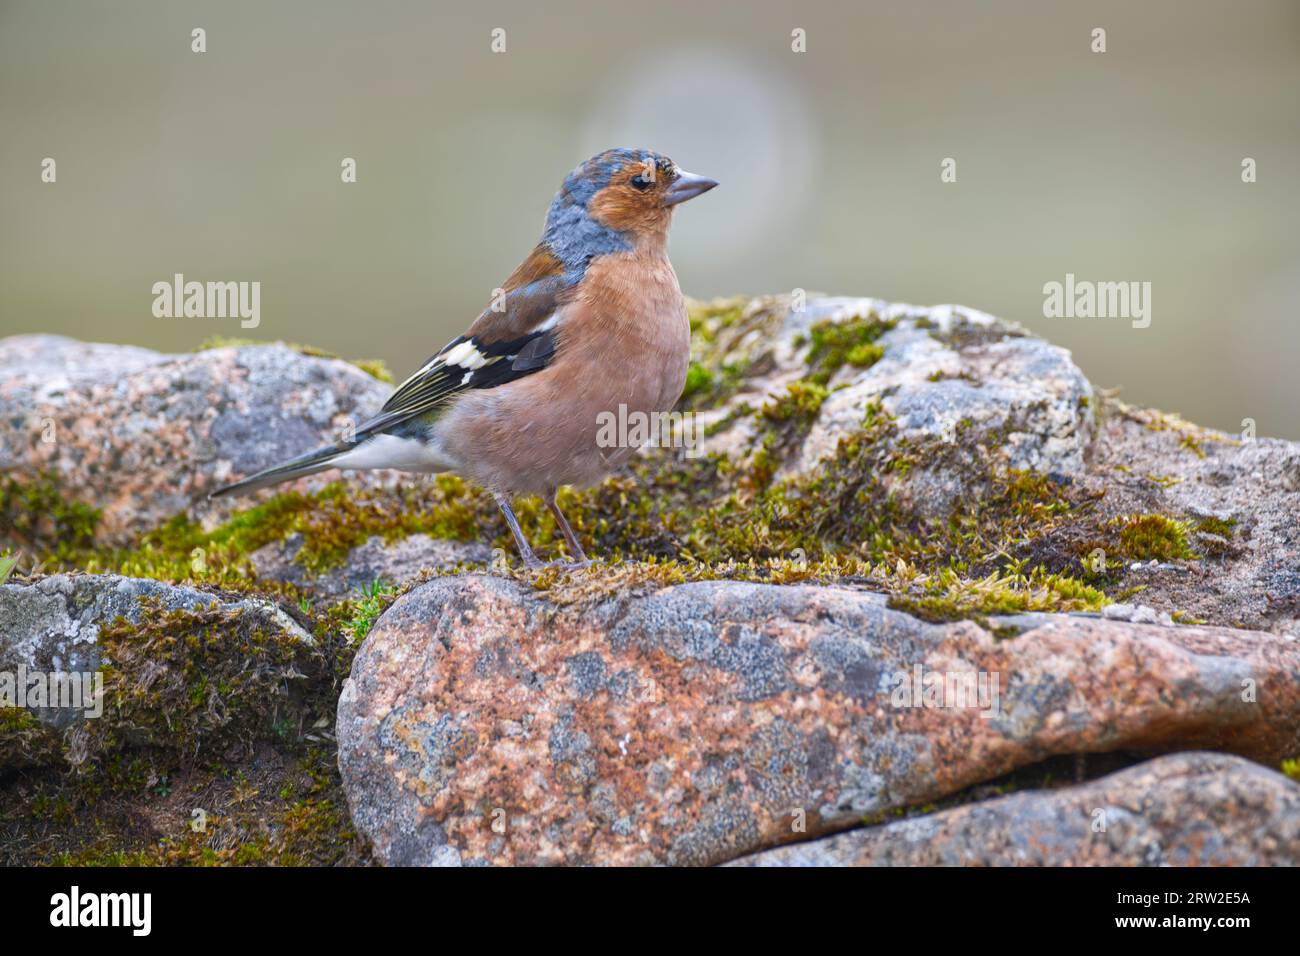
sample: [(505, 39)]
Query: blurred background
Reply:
[(225, 165)]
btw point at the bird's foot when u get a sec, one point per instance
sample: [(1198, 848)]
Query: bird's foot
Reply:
[(536, 564), (575, 565), (569, 565)]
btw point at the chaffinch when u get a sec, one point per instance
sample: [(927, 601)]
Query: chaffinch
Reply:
[(591, 320)]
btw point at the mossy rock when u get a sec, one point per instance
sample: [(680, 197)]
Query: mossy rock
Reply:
[(135, 437), (181, 670), (211, 702)]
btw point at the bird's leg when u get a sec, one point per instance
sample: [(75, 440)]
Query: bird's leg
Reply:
[(525, 552), (570, 538)]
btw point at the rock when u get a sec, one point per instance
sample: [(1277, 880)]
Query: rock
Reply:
[(967, 392), (1196, 809), (1239, 500), (54, 623), (397, 564), (1136, 613), (143, 435), (177, 666), (484, 723), (947, 376)]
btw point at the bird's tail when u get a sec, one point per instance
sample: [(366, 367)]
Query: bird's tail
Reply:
[(308, 464)]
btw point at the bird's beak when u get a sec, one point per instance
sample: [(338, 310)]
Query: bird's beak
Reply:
[(687, 186)]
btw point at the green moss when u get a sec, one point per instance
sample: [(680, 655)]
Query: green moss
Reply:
[(699, 380), (1141, 537), (832, 345), (708, 387), (375, 368), (332, 522), (8, 561), (192, 680), (1292, 769), (1217, 526), (308, 833), (24, 740), (864, 356), (949, 596), (38, 516), (1193, 444), (1214, 536), (729, 345), (938, 375), (709, 319), (800, 403), (106, 858)]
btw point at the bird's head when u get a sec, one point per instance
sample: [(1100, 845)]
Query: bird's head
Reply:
[(618, 200)]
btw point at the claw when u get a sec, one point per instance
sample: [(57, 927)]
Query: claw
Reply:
[(570, 565)]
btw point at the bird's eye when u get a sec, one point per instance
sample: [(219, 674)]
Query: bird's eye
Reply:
[(642, 183)]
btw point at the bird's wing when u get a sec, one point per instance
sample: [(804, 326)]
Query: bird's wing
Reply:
[(513, 337)]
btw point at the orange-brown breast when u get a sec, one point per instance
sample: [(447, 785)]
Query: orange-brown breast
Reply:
[(623, 340)]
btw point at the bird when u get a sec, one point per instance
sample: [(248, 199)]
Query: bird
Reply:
[(591, 320)]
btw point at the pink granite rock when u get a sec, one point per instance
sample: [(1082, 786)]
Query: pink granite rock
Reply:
[(143, 435), (483, 724), (1197, 809)]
